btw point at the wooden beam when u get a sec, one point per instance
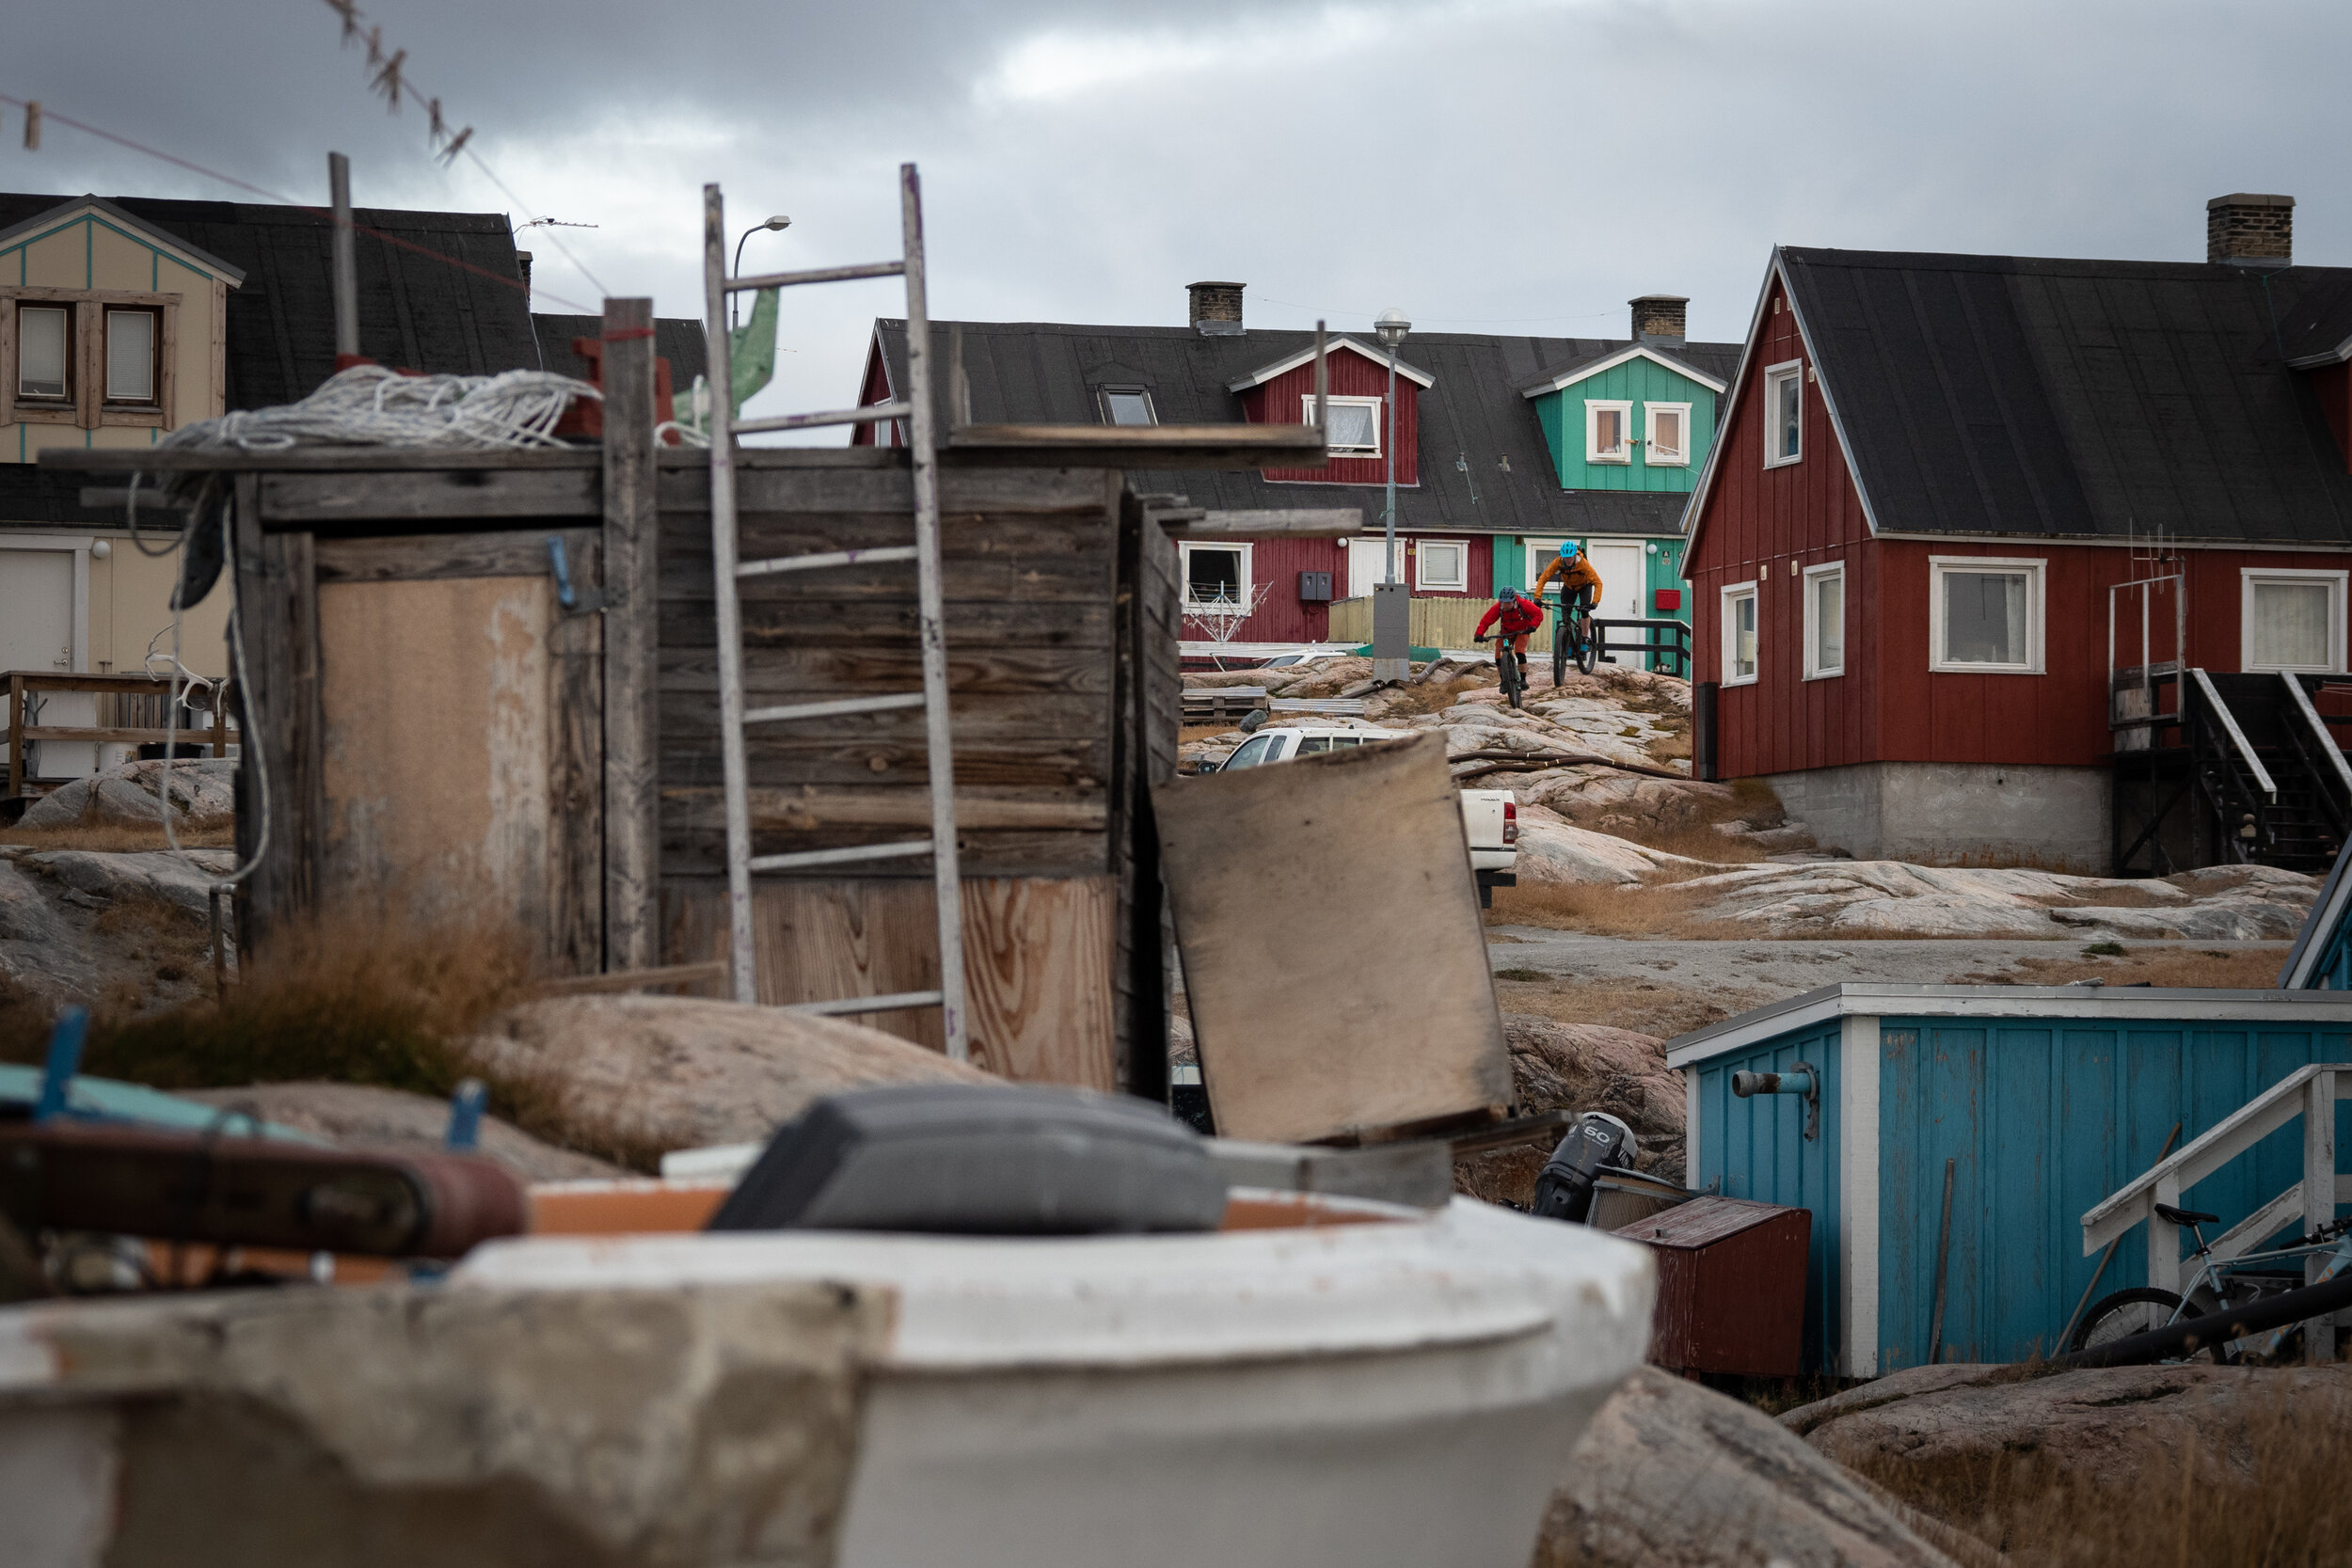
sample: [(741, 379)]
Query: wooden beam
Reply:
[(115, 736), (446, 494), (325, 460), (637, 980), (1289, 523), (1155, 447), (632, 661)]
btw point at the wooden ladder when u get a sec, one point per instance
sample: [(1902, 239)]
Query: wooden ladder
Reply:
[(923, 553)]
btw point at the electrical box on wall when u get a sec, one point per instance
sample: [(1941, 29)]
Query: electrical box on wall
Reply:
[(1669, 598), (1314, 587)]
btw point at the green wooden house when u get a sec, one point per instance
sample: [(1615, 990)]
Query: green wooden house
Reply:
[(1626, 429)]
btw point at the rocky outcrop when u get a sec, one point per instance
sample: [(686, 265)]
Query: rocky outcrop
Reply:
[(364, 1116), (201, 792), (80, 926), (682, 1072), (1671, 1475), (2098, 1429), (1581, 1067), (1559, 853)]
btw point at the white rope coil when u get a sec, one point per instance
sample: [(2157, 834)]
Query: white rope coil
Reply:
[(370, 405)]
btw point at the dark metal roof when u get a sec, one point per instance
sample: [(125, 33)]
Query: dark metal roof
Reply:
[(415, 311), (1471, 420), (677, 339), (2024, 397)]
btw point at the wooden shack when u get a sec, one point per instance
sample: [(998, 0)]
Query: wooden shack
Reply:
[(446, 722)]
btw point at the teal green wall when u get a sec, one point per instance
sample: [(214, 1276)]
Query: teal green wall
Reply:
[(1665, 571), (1637, 381)]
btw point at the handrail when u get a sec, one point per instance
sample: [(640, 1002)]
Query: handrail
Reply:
[(2237, 737), (2319, 728)]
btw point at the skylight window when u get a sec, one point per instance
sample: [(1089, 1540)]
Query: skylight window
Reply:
[(1128, 405)]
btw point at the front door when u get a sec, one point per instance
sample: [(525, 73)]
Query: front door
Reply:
[(37, 636), (1624, 570), (1368, 565)]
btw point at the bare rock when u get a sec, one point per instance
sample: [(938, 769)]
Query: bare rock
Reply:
[(1581, 1067), (2099, 1427), (682, 1072), (1672, 1475), (1323, 678), (129, 929), (200, 788), (1557, 853), (364, 1116)]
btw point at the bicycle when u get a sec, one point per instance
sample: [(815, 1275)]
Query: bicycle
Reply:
[(1572, 639), (2220, 1285), (1507, 666)]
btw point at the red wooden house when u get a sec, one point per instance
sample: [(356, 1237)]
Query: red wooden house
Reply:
[(2001, 557)]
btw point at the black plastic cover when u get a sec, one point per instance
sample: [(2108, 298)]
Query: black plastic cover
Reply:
[(984, 1160)]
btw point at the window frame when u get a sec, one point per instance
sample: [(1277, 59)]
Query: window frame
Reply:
[(2336, 579), (1814, 669), (153, 403), (1102, 403), (2036, 570), (1379, 422), (65, 401), (1184, 549), (1649, 435), (1594, 407), (1421, 580), (85, 405), (1776, 376), (1732, 594)]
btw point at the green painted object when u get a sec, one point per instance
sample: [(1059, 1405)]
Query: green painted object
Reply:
[(135, 1102), (750, 352), (1638, 381)]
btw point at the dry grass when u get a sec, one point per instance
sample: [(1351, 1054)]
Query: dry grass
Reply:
[(2273, 1496), (2243, 969), (349, 1000), (1601, 909), (1432, 696), (115, 838), (1692, 833), (1658, 1008)]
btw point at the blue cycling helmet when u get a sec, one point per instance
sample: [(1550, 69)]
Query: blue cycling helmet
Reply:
[(1570, 551)]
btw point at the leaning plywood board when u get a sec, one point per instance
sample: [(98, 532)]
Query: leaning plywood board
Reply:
[(1332, 950)]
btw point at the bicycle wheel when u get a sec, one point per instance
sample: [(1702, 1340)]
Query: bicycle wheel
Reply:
[(2133, 1311), (1559, 654), (1587, 650), (1511, 682)]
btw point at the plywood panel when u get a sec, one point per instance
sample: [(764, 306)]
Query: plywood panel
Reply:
[(438, 754), (1333, 955), (1037, 960)]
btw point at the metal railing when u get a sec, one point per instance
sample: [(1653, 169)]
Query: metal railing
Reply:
[(1665, 640)]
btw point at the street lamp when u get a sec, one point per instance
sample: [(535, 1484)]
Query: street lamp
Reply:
[(1391, 327), (778, 223)]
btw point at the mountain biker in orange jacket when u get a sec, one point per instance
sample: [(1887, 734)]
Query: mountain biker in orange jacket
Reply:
[(1519, 615), (1580, 585)]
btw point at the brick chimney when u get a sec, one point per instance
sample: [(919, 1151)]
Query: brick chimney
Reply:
[(2257, 230), (1217, 308), (1658, 318)]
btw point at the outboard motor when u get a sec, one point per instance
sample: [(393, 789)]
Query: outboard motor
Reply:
[(1565, 1190)]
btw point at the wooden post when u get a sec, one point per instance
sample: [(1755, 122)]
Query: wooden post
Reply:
[(633, 829), (2164, 1237), (283, 739), (16, 735), (2319, 1197)]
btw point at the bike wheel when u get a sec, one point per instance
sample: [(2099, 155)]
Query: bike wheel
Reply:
[(2128, 1312), (1587, 651), (1559, 656), (1510, 681)]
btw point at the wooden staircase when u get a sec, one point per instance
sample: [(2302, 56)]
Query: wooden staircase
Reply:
[(2244, 770)]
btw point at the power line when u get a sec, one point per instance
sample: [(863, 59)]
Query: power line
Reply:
[(48, 114), (1459, 320)]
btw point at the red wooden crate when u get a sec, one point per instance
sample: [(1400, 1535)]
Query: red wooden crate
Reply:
[(1730, 1286)]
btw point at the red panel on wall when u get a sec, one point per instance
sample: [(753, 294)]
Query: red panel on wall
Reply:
[(1278, 402)]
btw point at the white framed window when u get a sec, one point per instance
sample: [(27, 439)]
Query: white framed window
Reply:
[(1441, 565), (2291, 618), (1738, 660), (1666, 436), (1824, 621), (44, 354), (1784, 413), (1215, 574), (1608, 431), (1355, 427), (1128, 405), (1984, 614)]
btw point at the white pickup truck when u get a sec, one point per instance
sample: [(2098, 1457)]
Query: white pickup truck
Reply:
[(1491, 817)]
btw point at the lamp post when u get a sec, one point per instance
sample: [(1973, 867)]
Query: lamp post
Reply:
[(1391, 327), (1391, 604), (778, 223)]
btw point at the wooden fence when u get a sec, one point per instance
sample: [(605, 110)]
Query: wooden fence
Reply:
[(131, 696)]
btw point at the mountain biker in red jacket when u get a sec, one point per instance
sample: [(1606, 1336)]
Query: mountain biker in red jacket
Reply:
[(1519, 615)]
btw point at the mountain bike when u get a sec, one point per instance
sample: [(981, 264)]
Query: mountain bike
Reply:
[(1507, 666), (2220, 1285), (1572, 640)]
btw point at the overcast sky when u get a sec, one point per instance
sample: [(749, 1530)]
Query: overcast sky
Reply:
[(1489, 166)]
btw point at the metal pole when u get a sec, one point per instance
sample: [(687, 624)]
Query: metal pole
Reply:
[(346, 278), (734, 764), (1392, 463), (1943, 1265), (930, 620)]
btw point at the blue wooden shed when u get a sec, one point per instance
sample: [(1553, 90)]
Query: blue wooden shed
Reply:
[(2049, 1099), (2321, 959)]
